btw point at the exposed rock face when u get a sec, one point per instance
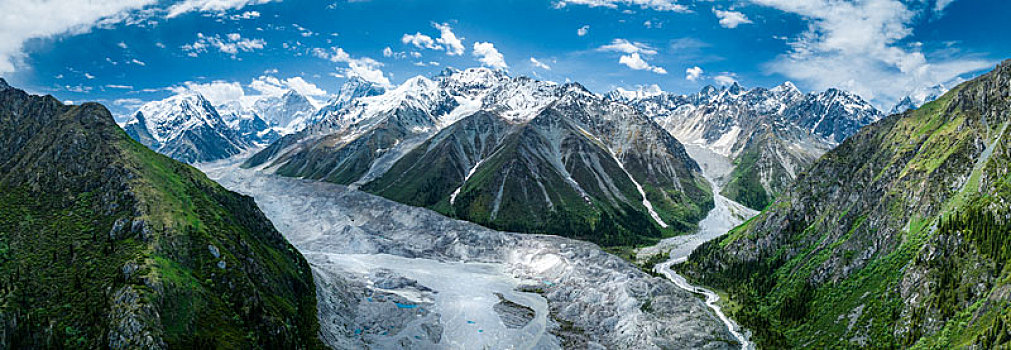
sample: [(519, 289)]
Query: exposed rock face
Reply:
[(894, 238), (103, 243), (771, 134), (510, 153)]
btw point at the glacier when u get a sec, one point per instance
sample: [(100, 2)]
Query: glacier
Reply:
[(394, 276)]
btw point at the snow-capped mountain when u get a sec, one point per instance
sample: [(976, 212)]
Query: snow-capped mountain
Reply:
[(288, 113), (918, 98), (185, 127), (351, 90), (510, 153), (247, 123), (771, 134)]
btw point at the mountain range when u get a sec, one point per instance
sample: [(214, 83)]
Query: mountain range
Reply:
[(509, 153), (897, 238), (189, 128), (771, 135)]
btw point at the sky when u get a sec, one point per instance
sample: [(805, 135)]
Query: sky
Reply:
[(124, 53)]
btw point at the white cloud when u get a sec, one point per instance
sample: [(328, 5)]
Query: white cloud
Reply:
[(138, 62), (123, 87), (420, 41), (636, 62), (217, 92), (489, 56), (454, 46), (856, 46), (272, 86), (537, 63), (693, 73), (24, 20), (210, 6), (582, 31), (447, 40), (245, 15), (625, 46), (725, 79), (633, 54), (941, 4), (658, 5), (231, 44), (363, 67), (731, 19), (367, 73), (121, 45), (387, 52)]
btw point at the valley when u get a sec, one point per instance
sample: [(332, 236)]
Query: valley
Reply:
[(377, 261)]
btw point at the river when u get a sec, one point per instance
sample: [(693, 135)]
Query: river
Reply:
[(725, 215)]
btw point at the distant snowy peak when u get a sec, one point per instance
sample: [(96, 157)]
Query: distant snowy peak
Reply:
[(918, 98), (620, 94), (833, 114), (168, 118), (289, 112), (185, 127), (471, 81)]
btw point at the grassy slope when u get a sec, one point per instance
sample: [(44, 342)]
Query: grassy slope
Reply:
[(785, 308), (66, 252)]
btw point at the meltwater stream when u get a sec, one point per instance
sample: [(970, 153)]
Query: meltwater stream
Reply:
[(725, 215)]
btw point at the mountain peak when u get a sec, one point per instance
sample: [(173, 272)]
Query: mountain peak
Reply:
[(736, 88), (786, 87), (3, 85)]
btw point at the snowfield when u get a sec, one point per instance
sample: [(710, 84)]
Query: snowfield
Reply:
[(394, 276)]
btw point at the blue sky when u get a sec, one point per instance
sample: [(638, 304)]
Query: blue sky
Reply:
[(125, 52)]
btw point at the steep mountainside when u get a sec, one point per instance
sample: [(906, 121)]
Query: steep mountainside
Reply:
[(106, 244), (896, 238), (509, 153), (582, 167), (770, 134), (185, 127)]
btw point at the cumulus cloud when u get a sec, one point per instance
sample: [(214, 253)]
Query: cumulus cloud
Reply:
[(856, 46), (447, 40), (731, 19), (582, 31), (454, 46), (725, 78), (634, 53), (272, 86), (537, 63), (693, 73), (636, 62), (231, 44), (658, 5), (221, 92), (363, 67), (489, 56), (420, 41), (216, 92)]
